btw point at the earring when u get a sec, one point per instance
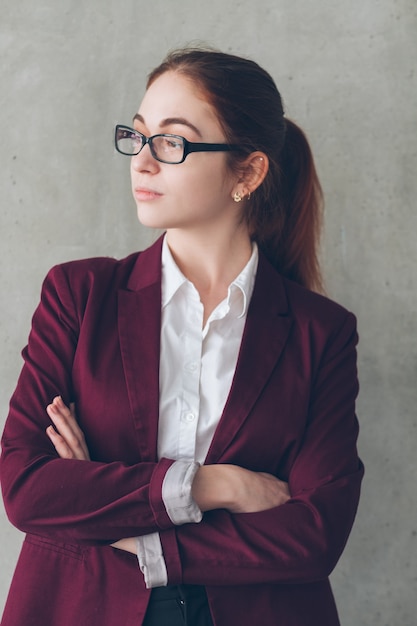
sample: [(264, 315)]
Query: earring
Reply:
[(249, 196), (237, 197)]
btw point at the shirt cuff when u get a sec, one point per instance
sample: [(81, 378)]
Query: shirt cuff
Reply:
[(151, 560), (176, 493)]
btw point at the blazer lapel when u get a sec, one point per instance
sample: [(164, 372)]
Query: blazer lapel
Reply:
[(139, 320), (267, 327)]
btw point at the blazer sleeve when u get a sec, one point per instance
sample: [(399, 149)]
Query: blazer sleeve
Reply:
[(68, 500), (300, 541)]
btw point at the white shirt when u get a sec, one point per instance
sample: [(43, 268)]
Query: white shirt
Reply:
[(197, 366)]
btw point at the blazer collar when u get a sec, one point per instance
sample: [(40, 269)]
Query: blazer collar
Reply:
[(147, 269)]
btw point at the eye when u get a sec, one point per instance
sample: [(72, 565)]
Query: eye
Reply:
[(134, 137), (128, 141), (171, 144)]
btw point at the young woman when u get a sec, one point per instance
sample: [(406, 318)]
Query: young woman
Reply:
[(208, 473)]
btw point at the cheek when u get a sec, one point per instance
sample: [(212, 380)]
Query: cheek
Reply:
[(210, 179)]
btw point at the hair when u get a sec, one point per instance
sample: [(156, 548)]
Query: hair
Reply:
[(284, 214)]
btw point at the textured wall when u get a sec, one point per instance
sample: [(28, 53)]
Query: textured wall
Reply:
[(71, 70)]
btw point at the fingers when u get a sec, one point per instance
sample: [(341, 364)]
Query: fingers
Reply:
[(61, 447), (281, 486), (68, 437)]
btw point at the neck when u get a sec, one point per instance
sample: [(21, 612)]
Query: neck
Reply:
[(210, 263)]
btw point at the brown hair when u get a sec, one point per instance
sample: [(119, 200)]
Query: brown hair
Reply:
[(284, 213)]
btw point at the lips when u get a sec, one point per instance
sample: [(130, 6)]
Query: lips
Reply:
[(145, 194)]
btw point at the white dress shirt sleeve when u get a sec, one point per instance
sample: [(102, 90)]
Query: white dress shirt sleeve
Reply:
[(176, 493), (181, 508), (151, 560)]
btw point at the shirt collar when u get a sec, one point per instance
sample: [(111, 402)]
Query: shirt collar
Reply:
[(244, 283), (240, 289), (172, 277)]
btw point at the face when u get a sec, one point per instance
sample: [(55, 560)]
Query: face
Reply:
[(194, 194)]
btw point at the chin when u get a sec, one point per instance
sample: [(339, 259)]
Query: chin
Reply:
[(149, 219)]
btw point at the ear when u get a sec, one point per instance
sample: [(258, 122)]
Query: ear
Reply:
[(254, 169)]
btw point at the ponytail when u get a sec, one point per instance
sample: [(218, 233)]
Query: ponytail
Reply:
[(289, 233)]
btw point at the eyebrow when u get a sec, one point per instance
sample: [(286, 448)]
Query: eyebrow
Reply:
[(169, 121)]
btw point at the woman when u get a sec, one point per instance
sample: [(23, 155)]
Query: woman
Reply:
[(214, 391)]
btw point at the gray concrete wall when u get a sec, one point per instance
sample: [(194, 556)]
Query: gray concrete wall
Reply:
[(70, 70)]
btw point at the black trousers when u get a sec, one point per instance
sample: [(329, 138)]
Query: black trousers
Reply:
[(178, 605)]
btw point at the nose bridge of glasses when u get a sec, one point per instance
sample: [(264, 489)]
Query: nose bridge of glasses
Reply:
[(143, 141), (152, 147), (152, 142)]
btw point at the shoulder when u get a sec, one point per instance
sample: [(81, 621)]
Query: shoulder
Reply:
[(131, 272), (309, 305), (97, 268), (91, 273), (317, 322), (320, 319), (306, 307)]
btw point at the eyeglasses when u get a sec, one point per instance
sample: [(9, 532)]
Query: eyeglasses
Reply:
[(165, 148)]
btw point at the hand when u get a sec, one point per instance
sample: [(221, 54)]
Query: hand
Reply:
[(127, 545), (68, 438), (257, 491), (237, 489), (70, 443)]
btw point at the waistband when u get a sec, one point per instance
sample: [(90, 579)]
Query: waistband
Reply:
[(181, 592)]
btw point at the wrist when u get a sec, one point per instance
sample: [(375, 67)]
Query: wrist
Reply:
[(212, 487)]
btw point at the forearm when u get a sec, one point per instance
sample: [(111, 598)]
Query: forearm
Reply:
[(298, 542), (226, 486), (214, 487), (82, 502)]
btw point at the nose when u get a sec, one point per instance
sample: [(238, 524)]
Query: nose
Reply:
[(144, 161)]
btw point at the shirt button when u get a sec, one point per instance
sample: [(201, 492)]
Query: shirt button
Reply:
[(191, 367), (189, 417)]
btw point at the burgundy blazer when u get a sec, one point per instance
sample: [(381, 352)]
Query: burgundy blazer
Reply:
[(290, 412)]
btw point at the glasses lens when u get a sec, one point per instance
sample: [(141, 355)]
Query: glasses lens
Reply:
[(128, 141), (168, 148)]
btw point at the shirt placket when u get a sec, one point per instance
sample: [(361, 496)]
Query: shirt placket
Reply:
[(191, 367)]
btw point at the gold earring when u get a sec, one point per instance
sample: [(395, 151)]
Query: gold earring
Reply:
[(237, 197)]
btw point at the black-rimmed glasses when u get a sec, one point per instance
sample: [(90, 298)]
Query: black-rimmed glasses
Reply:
[(165, 148)]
